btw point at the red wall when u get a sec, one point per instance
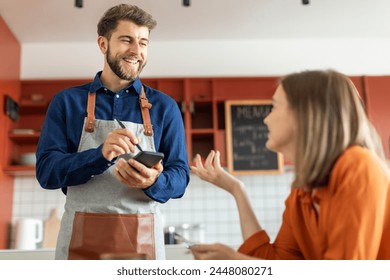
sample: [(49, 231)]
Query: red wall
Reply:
[(9, 85)]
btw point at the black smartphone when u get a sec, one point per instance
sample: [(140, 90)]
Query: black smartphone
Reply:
[(148, 158)]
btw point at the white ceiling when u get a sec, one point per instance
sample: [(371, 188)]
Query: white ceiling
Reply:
[(60, 21)]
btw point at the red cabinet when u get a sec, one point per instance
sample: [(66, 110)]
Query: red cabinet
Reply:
[(9, 85), (201, 101), (377, 89), (32, 114)]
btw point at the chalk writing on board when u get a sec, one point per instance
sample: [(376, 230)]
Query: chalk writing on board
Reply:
[(246, 137)]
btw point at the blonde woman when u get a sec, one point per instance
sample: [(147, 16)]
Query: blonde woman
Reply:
[(339, 205)]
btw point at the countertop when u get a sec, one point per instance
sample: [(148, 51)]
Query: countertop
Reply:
[(173, 252)]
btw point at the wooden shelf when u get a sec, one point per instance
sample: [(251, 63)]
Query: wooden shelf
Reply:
[(28, 107), (201, 131), (20, 170), (30, 138)]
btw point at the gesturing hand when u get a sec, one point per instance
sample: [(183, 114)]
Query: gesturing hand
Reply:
[(213, 172)]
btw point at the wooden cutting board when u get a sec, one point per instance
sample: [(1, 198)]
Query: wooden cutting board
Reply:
[(51, 229)]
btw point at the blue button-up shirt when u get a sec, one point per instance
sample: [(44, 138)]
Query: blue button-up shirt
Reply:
[(59, 165)]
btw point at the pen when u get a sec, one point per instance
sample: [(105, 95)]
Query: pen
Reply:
[(123, 126)]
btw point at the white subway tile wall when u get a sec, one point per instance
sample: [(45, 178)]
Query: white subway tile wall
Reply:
[(204, 204)]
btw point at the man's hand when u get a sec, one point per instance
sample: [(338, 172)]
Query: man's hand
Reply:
[(118, 142), (135, 174)]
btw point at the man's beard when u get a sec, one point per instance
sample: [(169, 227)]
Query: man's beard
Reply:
[(116, 67)]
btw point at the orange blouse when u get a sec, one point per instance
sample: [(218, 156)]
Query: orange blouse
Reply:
[(353, 220)]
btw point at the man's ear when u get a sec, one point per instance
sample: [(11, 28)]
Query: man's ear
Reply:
[(103, 44)]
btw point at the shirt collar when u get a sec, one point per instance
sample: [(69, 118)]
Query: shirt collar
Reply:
[(316, 195), (97, 84), (305, 196)]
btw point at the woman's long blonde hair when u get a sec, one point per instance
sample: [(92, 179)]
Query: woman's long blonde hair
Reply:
[(331, 118)]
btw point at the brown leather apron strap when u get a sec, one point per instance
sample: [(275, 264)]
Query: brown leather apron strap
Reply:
[(145, 106), (90, 121)]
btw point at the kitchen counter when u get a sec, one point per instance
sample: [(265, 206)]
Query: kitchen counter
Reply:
[(173, 252), (39, 254)]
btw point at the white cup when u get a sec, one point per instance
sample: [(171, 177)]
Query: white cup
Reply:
[(28, 233)]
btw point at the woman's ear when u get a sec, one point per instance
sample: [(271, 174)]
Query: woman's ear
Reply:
[(103, 44)]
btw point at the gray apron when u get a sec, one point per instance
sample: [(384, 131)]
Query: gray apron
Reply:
[(105, 216)]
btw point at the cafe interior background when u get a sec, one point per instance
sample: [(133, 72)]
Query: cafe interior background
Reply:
[(55, 40)]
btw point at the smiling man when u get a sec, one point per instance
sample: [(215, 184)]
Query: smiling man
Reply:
[(125, 51), (112, 204)]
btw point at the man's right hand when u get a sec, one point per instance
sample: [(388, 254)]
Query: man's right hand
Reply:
[(119, 142)]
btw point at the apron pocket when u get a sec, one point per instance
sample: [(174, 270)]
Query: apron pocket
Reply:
[(95, 234)]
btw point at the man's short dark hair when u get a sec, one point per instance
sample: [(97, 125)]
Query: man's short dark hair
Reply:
[(109, 22)]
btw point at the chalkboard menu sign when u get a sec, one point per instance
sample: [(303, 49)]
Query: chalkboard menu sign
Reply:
[(246, 135)]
